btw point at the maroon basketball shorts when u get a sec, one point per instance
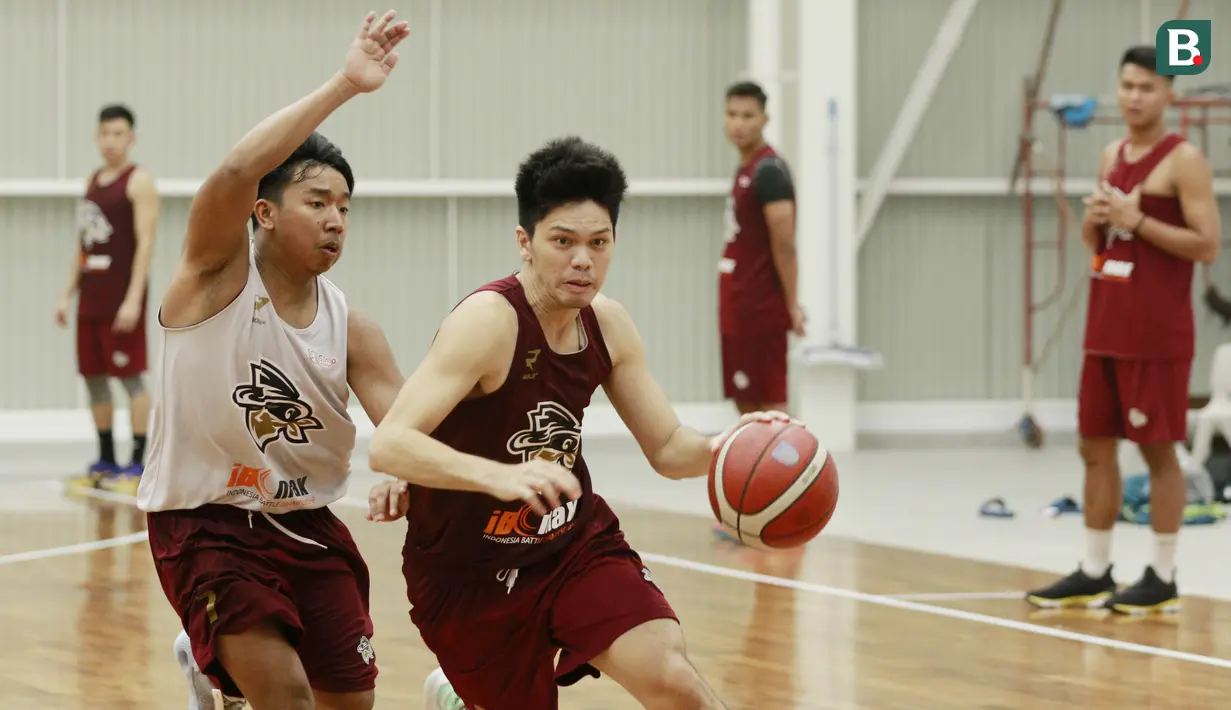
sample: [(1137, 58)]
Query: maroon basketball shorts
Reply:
[(102, 351), (754, 367), (226, 570), (496, 636), (1144, 401)]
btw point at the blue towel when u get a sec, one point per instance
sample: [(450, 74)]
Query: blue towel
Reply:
[(1136, 508), (1075, 110)]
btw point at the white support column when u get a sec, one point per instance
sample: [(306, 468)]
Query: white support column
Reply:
[(765, 58), (947, 39), (825, 233)]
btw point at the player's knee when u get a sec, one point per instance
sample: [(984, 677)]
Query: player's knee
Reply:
[(669, 680), (1098, 454), (676, 684), (98, 389), (291, 693), (134, 386), (251, 657), (285, 692), (346, 701), (1160, 458)]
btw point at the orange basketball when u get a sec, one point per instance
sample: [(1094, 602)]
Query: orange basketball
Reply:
[(772, 486)]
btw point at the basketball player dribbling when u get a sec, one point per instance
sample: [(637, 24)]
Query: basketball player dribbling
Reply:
[(251, 436), (1153, 215), (117, 221), (510, 556)]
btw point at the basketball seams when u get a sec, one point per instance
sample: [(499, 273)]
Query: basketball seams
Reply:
[(799, 486), (818, 480), (739, 519), (751, 528), (719, 485)]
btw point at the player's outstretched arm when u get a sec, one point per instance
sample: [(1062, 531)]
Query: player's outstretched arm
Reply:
[(217, 220), (1194, 185), (673, 450), (371, 368), (470, 355)]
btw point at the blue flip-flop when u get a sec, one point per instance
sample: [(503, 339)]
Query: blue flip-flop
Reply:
[(1060, 506), (995, 508)]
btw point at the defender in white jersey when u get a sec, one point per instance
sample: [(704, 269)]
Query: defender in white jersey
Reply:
[(261, 424), (251, 437)]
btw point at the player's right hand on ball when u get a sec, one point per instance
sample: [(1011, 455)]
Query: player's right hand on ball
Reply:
[(371, 56), (716, 442), (544, 486), (388, 501)]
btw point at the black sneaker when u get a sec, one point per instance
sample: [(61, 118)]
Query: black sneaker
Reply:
[(1076, 590), (1149, 594)]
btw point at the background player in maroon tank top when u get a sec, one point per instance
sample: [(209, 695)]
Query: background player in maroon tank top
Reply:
[(757, 274), (1153, 215), (757, 294), (510, 556), (117, 222)]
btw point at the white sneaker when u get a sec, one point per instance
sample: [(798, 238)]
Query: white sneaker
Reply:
[(203, 695), (438, 693)]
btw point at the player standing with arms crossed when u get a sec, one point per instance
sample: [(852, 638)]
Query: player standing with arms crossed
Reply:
[(510, 556), (1153, 215), (251, 436), (117, 221)]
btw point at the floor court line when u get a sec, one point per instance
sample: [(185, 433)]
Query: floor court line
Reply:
[(79, 548), (852, 595), (954, 596)]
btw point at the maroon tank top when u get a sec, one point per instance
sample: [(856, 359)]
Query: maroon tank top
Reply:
[(536, 413), (105, 228), (1140, 303), (750, 295)]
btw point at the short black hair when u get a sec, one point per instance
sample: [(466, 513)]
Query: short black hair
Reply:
[(1144, 56), (112, 112), (315, 152), (566, 171), (748, 89)]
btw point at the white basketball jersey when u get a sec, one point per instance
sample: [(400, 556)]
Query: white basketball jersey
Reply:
[(251, 412)]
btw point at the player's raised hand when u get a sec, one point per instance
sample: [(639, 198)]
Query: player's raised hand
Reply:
[(372, 56), (543, 485), (388, 501), (769, 416)]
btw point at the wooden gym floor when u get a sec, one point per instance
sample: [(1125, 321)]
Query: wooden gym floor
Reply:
[(844, 626)]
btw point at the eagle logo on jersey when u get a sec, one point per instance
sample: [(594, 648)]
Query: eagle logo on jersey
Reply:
[(554, 435), (273, 407), (92, 225)]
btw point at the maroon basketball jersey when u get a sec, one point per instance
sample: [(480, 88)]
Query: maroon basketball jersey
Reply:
[(108, 243), (536, 413), (750, 295), (1140, 304)]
